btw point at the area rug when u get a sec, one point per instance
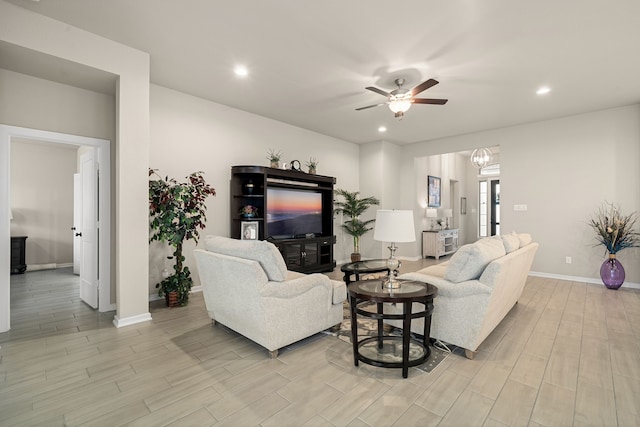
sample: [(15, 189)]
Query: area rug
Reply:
[(392, 350)]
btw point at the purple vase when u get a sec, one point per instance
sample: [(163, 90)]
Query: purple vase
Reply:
[(612, 273)]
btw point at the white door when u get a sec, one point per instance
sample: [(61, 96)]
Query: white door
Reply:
[(89, 229), (77, 221)]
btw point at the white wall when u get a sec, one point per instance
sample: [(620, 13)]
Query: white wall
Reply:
[(562, 170), (191, 134), (42, 200)]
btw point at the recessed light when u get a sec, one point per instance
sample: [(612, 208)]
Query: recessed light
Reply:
[(382, 129), (241, 71), (543, 90)]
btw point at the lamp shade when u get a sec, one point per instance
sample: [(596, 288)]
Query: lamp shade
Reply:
[(447, 213), (394, 226), (432, 213)]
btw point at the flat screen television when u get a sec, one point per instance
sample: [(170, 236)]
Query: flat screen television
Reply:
[(293, 212)]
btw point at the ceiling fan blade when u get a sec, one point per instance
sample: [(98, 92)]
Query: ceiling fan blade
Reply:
[(429, 101), (370, 106), (376, 90), (423, 86)]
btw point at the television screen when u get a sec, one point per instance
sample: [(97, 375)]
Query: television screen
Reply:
[(292, 212)]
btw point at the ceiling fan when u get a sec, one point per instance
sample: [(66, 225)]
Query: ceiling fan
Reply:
[(400, 99)]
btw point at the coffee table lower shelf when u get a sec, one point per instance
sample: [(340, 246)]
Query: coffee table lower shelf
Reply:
[(372, 347)]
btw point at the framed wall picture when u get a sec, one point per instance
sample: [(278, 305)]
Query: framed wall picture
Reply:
[(463, 205), (433, 188), (249, 230)]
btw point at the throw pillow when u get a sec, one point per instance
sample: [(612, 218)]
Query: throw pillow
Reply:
[(511, 242), (525, 239), (266, 253), (469, 261)]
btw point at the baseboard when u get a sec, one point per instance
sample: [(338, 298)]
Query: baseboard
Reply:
[(38, 267), (51, 266), (132, 320), (591, 280)]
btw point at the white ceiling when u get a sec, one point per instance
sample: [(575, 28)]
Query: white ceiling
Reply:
[(309, 61)]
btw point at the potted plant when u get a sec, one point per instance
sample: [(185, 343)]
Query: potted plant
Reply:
[(312, 164), (352, 206), (615, 232), (176, 212), (249, 211), (274, 157)]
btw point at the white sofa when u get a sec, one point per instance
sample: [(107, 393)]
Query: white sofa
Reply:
[(248, 288), (477, 287)]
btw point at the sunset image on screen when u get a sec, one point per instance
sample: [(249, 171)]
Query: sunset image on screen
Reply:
[(293, 212)]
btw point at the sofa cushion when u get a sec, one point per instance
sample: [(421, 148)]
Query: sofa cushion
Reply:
[(437, 270), (511, 242), (525, 239), (469, 261), (265, 253)]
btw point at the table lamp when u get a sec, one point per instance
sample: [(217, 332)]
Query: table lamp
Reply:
[(394, 226), (431, 213)]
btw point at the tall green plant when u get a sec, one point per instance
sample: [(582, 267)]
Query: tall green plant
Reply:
[(352, 206), (176, 212)]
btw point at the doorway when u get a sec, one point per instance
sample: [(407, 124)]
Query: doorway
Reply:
[(103, 159)]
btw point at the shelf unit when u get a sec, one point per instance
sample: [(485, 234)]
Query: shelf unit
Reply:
[(437, 243), (249, 185)]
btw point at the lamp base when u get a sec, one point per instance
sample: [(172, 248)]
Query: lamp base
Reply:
[(391, 282), (393, 264)]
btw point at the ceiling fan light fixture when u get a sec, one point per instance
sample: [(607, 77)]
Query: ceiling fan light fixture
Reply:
[(481, 157), (400, 104)]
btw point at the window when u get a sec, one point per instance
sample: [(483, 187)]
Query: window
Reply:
[(483, 209), (490, 170)]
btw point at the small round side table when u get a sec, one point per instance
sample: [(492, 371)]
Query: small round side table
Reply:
[(372, 291)]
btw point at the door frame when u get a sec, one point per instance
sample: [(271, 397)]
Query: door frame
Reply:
[(103, 153)]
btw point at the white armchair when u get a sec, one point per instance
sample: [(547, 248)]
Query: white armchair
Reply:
[(248, 288)]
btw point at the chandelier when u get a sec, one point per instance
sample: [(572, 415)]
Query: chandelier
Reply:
[(481, 157)]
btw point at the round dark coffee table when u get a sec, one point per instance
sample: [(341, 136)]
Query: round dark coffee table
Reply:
[(363, 267), (362, 293)]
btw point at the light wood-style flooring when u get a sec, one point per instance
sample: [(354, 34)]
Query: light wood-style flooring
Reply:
[(567, 354)]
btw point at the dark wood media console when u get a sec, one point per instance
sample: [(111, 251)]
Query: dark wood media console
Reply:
[(305, 241)]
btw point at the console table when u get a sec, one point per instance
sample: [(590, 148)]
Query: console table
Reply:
[(437, 243), (373, 350)]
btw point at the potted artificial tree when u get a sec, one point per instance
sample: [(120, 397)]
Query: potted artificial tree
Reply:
[(353, 207), (176, 212)]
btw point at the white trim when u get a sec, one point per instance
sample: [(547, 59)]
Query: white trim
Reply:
[(103, 148), (128, 321), (591, 280)]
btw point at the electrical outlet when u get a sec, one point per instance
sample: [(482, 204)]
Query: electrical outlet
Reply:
[(568, 260)]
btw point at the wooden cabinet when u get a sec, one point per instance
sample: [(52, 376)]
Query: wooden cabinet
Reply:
[(308, 255), (18, 249), (303, 231), (438, 243)]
